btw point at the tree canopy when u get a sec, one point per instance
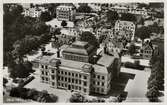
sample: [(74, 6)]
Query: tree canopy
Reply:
[(45, 16), (84, 9), (112, 16), (16, 27), (89, 37), (156, 79), (142, 32), (128, 17), (132, 49)]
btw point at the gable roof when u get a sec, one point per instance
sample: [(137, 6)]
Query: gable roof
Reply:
[(147, 45)]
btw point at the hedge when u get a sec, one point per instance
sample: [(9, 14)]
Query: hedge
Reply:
[(133, 66), (32, 94)]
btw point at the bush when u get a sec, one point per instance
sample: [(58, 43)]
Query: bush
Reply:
[(40, 96), (133, 66), (77, 97), (5, 81)]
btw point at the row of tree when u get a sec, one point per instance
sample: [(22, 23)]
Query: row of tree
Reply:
[(156, 79)]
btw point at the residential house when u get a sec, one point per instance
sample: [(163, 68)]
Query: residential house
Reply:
[(147, 50)]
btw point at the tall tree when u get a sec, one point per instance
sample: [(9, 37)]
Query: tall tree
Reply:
[(112, 16), (132, 49), (143, 32), (156, 79), (45, 16), (128, 17), (63, 23), (84, 9)]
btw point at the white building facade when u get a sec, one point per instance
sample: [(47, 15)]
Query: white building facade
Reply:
[(65, 12)]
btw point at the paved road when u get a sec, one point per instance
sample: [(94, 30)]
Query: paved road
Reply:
[(137, 87)]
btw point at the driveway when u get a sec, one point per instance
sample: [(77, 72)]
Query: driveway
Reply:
[(137, 87)]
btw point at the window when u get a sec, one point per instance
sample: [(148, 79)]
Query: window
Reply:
[(76, 81), (53, 77), (102, 77), (98, 83), (65, 73), (85, 77), (79, 81), (42, 66), (73, 74), (52, 71), (62, 84), (46, 67), (42, 72), (76, 87), (46, 79), (58, 78), (102, 90), (94, 76), (72, 86), (65, 78), (79, 88), (42, 78), (76, 75), (97, 89), (62, 78), (98, 76), (102, 83), (84, 90), (53, 83), (62, 72), (85, 83), (72, 80), (94, 82), (69, 73), (46, 73), (80, 76), (69, 80)]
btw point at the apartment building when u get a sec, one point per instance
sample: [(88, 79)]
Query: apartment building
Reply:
[(109, 33), (65, 12), (75, 72), (125, 29)]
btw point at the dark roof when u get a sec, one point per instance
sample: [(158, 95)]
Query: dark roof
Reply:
[(79, 47)]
